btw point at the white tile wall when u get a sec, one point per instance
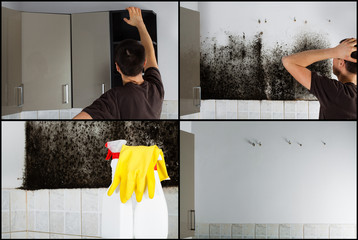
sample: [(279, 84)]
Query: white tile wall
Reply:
[(252, 109), (275, 231), (64, 213), (169, 111)]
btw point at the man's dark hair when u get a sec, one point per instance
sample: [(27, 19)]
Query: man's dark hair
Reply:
[(351, 66), (130, 56)]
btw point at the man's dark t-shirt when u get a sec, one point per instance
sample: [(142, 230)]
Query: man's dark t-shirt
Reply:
[(338, 100), (131, 101)]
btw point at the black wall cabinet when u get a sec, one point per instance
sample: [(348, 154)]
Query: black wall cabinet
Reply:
[(120, 30)]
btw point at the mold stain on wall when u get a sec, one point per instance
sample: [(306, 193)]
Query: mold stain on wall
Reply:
[(245, 70), (72, 154)]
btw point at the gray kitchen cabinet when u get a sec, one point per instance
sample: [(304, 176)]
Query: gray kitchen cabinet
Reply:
[(190, 93), (187, 191), (46, 61), (91, 64), (11, 88)]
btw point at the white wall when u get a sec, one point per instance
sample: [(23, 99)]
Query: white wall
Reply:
[(167, 30), (277, 182), (239, 17), (12, 153)]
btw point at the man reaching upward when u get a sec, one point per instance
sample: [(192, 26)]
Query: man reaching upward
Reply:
[(140, 97), (338, 99)]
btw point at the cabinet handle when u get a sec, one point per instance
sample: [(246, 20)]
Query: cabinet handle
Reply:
[(197, 96), (21, 95), (192, 223), (102, 88), (65, 93)]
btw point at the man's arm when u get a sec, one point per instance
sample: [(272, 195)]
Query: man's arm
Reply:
[(136, 20), (296, 63), (83, 115)]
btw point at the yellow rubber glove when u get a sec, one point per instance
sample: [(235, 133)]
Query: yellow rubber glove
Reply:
[(134, 169)]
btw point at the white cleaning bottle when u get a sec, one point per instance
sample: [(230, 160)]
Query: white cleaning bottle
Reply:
[(151, 215), (117, 218)]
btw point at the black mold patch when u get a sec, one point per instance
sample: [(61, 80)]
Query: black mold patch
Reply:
[(245, 69), (72, 154)]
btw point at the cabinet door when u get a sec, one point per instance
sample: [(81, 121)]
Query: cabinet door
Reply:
[(187, 200), (189, 61), (90, 57), (46, 61), (10, 61)]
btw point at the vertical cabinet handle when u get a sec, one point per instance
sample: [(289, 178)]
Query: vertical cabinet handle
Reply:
[(197, 96), (103, 88), (65, 93), (192, 220), (20, 96)]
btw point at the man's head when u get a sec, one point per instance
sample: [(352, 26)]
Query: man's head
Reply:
[(129, 57), (341, 66)]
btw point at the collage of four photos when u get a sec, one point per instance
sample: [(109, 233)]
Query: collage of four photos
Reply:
[(179, 119)]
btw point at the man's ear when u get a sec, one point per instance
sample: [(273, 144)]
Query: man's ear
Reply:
[(117, 67), (145, 62)]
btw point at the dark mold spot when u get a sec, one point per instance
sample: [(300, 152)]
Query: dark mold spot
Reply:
[(245, 69), (71, 154)]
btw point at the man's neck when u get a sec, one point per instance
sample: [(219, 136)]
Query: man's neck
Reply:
[(136, 79), (347, 79)]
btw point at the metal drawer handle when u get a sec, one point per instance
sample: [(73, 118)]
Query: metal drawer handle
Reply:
[(192, 223), (197, 96), (65, 93), (21, 95), (103, 88)]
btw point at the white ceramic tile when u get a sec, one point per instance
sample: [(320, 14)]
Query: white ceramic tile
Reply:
[(49, 114), (207, 109), (243, 106), (225, 230), (290, 106), (56, 236), (220, 110), (90, 224), (38, 235), (277, 106), (203, 229), (272, 230), (21, 235), (248, 229), (173, 227), (17, 200), (349, 231), (243, 115), (289, 115), (57, 200), (5, 200), (253, 106), (285, 231), (18, 221), (164, 106), (65, 113), (191, 116), (231, 115), (72, 236), (296, 230), (310, 231), (322, 230), (254, 115), (90, 200), (266, 115), (163, 116), (214, 230), (29, 115), (236, 230), (30, 200), (260, 230), (266, 106), (31, 218), (302, 115), (5, 221), (12, 116), (72, 223), (207, 115), (101, 193), (57, 222), (313, 109), (72, 199), (302, 106), (172, 106), (42, 200), (75, 111), (42, 221), (276, 115), (5, 235)]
